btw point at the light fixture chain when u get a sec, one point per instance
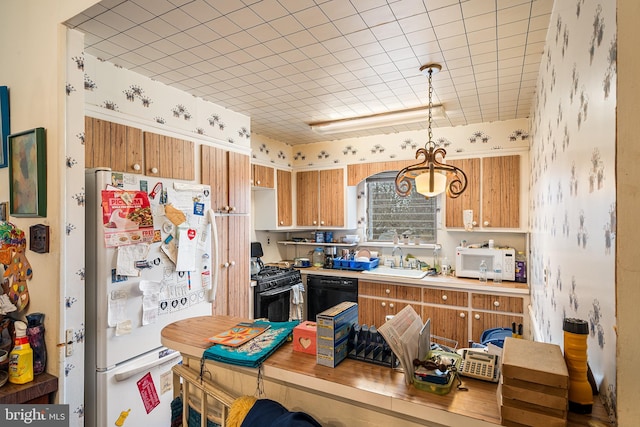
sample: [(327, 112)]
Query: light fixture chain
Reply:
[(430, 103)]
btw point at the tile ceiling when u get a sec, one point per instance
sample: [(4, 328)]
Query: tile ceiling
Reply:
[(288, 63)]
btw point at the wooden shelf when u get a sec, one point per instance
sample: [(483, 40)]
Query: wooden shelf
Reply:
[(40, 390), (288, 242)]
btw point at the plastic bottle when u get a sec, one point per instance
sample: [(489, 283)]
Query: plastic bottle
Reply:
[(483, 271), (445, 266), (497, 273), (576, 332), (21, 357), (521, 268), (35, 333), (318, 257)]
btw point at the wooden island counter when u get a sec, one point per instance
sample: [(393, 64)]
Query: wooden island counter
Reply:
[(354, 393)]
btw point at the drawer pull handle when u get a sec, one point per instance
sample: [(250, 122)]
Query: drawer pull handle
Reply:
[(444, 297), (463, 315), (136, 167), (496, 303), (387, 291), (477, 317), (384, 304), (391, 305)]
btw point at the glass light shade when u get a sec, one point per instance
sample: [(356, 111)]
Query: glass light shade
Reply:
[(423, 181)]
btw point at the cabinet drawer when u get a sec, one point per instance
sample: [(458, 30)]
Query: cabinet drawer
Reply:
[(445, 297), (497, 303), (388, 290)]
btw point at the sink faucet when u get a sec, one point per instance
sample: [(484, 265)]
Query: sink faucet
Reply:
[(393, 254)]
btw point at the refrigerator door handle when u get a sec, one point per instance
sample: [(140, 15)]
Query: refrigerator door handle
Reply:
[(122, 376), (215, 263)]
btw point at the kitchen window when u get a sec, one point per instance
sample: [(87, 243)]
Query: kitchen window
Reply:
[(413, 216)]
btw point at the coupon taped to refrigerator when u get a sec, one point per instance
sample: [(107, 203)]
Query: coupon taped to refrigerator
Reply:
[(126, 217)]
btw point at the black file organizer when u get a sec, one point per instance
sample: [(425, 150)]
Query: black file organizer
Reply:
[(368, 345)]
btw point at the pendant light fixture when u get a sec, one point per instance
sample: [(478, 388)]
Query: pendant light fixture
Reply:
[(431, 175)]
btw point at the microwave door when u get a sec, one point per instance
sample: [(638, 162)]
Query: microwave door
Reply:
[(471, 262)]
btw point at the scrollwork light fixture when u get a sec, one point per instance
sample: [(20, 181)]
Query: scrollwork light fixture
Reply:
[(431, 175)]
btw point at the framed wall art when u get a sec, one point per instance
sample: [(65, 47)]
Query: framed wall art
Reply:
[(4, 126), (28, 174)]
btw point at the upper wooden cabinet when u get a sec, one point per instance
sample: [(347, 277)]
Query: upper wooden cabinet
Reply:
[(121, 148), (168, 157), (274, 209), (285, 201), (229, 174), (320, 197), (112, 145), (493, 193), (262, 176)]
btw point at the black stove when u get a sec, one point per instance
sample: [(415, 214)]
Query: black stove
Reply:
[(272, 277)]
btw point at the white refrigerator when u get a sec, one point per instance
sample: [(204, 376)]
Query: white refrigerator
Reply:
[(149, 261)]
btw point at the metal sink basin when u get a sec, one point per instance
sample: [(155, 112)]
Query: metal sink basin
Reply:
[(396, 272)]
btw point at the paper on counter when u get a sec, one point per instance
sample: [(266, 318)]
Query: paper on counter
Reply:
[(150, 301), (127, 257)]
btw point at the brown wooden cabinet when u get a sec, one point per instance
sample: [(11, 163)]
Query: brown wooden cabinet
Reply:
[(494, 311), (112, 145), (320, 197), (493, 193), (167, 157), (262, 176), (449, 323), (229, 174), (378, 300), (126, 149), (285, 201)]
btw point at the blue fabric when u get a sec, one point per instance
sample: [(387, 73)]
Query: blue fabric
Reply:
[(495, 336), (269, 413), (254, 352)]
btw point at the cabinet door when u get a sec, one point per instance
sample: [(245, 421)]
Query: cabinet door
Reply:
[(112, 145), (501, 192), (215, 166), (238, 277), (445, 297), (449, 323), (221, 298), (470, 199), (307, 201), (482, 321), (262, 176), (285, 205), (332, 188), (239, 183), (157, 155)]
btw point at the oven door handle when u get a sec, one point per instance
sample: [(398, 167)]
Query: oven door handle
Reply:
[(276, 291)]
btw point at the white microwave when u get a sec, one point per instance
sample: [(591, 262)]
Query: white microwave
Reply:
[(468, 262)]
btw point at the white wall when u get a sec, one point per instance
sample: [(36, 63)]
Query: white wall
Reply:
[(573, 183)]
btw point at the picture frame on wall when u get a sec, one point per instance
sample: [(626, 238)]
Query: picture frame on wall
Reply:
[(28, 174), (4, 126)]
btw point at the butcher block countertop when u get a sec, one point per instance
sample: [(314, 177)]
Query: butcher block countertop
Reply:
[(367, 386)]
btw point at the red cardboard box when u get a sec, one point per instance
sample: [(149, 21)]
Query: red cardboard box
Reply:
[(304, 337)]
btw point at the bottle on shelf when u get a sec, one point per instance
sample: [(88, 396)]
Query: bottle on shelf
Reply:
[(21, 357), (521, 268), (497, 273), (483, 271)]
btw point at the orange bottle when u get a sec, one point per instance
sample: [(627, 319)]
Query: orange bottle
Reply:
[(576, 332)]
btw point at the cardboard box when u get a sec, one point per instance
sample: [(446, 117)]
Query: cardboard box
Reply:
[(304, 337), (333, 328), (536, 362)]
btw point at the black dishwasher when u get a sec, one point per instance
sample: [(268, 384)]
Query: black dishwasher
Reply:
[(324, 292)]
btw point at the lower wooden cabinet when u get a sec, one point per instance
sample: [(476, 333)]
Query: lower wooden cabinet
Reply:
[(458, 315)]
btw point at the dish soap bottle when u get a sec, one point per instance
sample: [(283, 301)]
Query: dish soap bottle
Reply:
[(21, 357), (483, 271)]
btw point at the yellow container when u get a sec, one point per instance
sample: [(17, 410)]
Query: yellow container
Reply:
[(576, 332), (21, 357)]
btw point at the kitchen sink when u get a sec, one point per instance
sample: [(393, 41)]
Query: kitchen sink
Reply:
[(396, 272)]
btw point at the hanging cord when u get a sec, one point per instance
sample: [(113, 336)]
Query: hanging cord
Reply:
[(430, 105), (260, 384), (455, 372), (204, 370)]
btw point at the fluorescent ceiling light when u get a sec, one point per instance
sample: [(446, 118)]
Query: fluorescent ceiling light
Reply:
[(402, 117)]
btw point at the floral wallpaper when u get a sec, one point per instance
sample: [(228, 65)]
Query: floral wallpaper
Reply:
[(572, 205), (72, 311)]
